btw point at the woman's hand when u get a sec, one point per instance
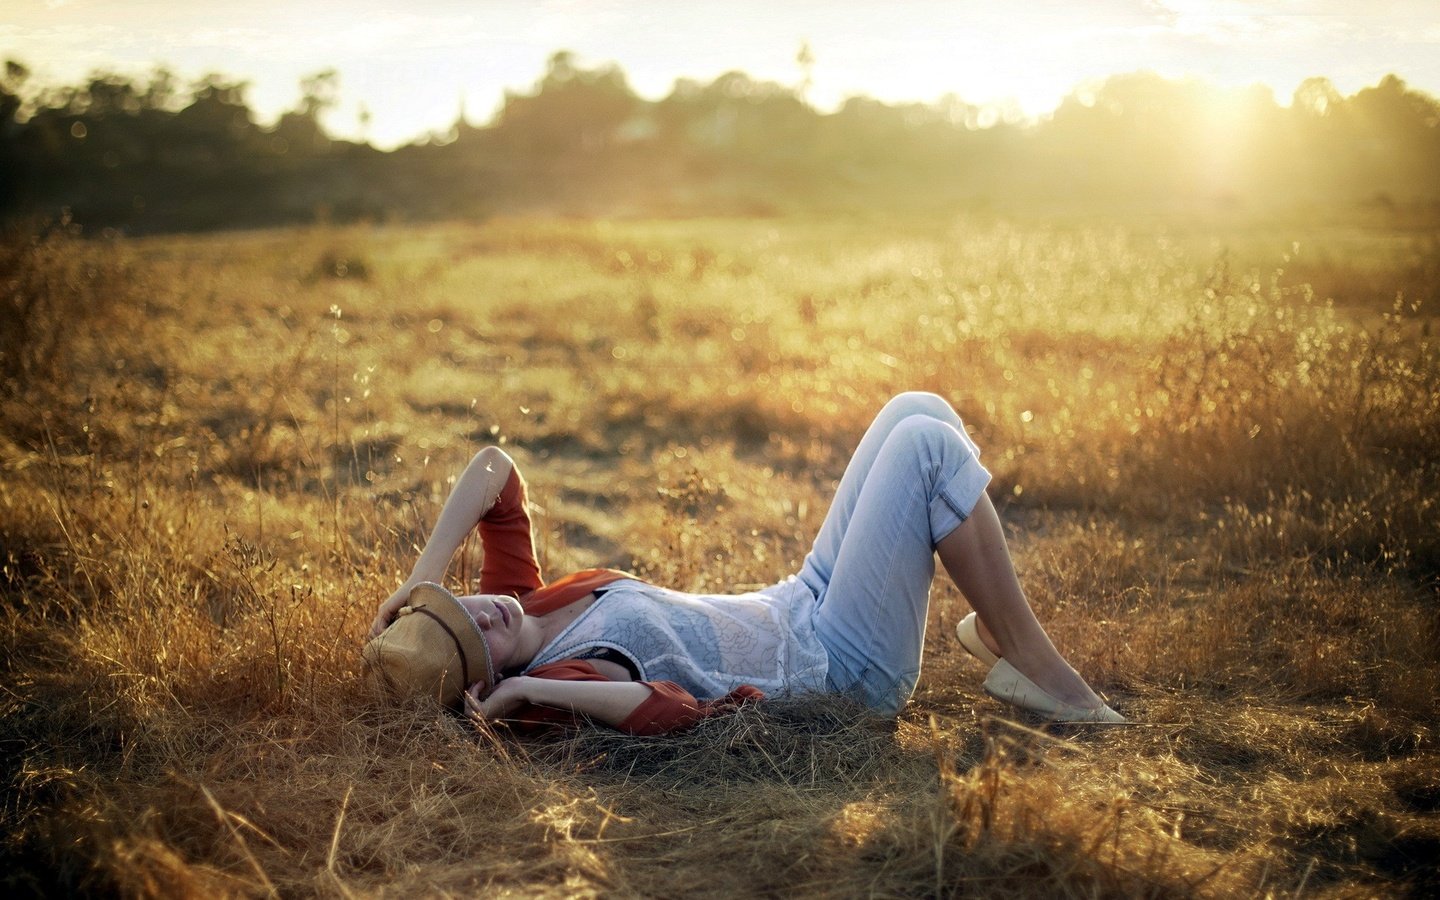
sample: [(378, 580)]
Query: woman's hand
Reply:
[(390, 607), (504, 699)]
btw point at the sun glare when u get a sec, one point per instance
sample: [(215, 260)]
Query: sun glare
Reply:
[(1231, 116)]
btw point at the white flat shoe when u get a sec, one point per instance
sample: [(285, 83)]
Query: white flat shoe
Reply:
[(969, 634), (1005, 682)]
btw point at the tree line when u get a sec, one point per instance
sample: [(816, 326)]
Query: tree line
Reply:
[(155, 155)]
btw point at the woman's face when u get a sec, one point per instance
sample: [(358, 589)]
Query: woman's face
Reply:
[(498, 618)]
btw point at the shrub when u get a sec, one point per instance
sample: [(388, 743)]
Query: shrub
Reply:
[(56, 291)]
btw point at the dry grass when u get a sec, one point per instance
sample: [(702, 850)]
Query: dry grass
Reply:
[(1223, 489)]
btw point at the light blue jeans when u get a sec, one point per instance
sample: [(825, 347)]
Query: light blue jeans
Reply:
[(913, 479)]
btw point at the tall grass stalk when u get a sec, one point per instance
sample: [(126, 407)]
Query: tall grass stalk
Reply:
[(1220, 488)]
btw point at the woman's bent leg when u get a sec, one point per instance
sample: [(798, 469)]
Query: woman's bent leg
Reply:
[(978, 561), (877, 553), (820, 562), (915, 486)]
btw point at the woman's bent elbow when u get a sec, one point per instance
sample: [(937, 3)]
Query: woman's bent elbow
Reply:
[(492, 457)]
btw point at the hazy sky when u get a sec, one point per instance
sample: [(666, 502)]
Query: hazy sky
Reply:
[(410, 63)]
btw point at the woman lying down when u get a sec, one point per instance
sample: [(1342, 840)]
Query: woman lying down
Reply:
[(603, 644)]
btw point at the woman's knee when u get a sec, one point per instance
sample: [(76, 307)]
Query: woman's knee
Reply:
[(927, 437), (921, 403)]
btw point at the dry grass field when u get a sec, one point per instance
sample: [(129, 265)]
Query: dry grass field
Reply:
[(1215, 449)]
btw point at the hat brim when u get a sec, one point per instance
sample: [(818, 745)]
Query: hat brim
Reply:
[(432, 647)]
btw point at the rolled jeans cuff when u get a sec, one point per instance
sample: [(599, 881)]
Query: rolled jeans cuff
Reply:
[(956, 498)]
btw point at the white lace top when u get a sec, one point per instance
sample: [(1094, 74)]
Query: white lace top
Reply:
[(709, 644)]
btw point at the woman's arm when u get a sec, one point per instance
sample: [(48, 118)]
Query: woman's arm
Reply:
[(610, 702), (474, 494), (662, 707)]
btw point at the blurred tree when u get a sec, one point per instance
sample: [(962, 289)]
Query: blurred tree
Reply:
[(1316, 144), (107, 95), (10, 85), (217, 115), (1159, 143), (571, 112), (124, 152), (162, 93), (300, 131), (755, 121), (319, 92), (805, 59), (11, 161), (1396, 129), (1317, 97)]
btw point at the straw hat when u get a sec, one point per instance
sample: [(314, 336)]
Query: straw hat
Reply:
[(432, 648)]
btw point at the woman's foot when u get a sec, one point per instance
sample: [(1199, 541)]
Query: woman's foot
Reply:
[(978, 561), (1059, 682), (1007, 683), (971, 638), (1049, 672), (1069, 689), (986, 637)]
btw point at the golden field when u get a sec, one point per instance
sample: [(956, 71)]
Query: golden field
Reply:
[(1215, 447)]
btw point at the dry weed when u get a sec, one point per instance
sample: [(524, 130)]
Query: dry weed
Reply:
[(1221, 488)]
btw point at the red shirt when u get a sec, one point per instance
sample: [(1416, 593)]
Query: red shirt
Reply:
[(510, 568)]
